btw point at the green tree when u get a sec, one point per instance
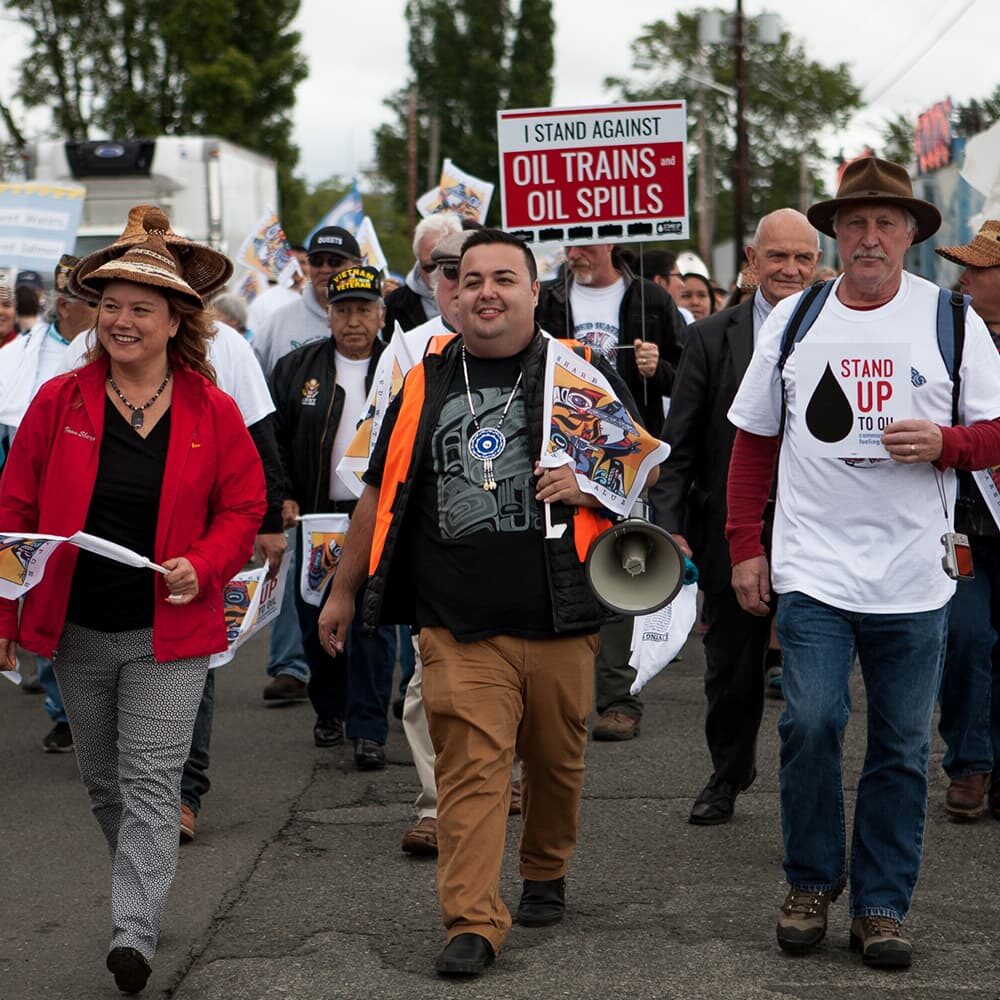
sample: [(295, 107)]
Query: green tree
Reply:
[(467, 60), (897, 139), (790, 99), (977, 115), (131, 68)]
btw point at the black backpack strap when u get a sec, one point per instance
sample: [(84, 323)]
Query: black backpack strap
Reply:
[(952, 307), (804, 316)]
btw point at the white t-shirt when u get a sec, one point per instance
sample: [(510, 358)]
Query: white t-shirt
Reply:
[(864, 535), (351, 378), (267, 304), (595, 316), (236, 368)]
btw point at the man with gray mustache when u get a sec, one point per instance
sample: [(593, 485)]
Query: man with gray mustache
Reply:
[(857, 551)]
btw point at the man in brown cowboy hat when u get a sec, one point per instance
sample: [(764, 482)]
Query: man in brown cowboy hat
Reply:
[(970, 685), (857, 546)]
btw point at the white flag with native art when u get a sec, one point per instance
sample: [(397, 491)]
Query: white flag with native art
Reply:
[(322, 543), (250, 602), (403, 352), (589, 428)]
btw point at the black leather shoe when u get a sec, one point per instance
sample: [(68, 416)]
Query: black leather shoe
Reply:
[(328, 732), (465, 955), (369, 755), (542, 902), (714, 804), (130, 968)]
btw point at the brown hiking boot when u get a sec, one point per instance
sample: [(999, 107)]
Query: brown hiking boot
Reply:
[(613, 726), (880, 941), (802, 920), (966, 797)]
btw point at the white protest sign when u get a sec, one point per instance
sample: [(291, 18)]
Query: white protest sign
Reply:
[(615, 173), (847, 394)]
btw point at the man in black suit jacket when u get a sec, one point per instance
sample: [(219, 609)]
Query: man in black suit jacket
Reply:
[(690, 501)]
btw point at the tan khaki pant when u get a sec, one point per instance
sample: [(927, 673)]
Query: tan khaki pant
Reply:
[(484, 701)]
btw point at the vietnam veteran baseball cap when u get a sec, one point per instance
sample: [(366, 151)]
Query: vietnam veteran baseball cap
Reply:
[(354, 283)]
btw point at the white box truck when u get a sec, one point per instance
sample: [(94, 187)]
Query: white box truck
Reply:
[(213, 190)]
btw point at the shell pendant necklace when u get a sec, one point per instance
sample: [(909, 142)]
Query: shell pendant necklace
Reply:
[(487, 443), (136, 419)]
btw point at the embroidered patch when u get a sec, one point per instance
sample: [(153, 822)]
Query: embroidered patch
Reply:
[(310, 392)]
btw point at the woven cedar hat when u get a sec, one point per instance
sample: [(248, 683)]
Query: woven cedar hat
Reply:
[(870, 179), (983, 251), (63, 270), (146, 263), (204, 270)]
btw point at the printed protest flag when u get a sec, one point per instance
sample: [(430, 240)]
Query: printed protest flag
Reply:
[(322, 542), (22, 561), (250, 602), (371, 249), (658, 637), (590, 429), (266, 248), (23, 557), (348, 213), (457, 191), (404, 351)]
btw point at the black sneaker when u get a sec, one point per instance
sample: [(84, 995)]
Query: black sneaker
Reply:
[(59, 739)]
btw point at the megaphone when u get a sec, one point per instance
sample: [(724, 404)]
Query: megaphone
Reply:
[(635, 567)]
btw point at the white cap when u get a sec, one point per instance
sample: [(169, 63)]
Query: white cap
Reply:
[(690, 263)]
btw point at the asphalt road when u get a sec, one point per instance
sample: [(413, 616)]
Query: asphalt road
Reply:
[(296, 887)]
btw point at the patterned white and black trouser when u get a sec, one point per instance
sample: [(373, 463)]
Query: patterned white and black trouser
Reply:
[(132, 720)]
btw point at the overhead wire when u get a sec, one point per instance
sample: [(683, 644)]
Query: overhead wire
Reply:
[(938, 35)]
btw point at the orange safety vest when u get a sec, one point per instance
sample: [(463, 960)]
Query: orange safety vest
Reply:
[(587, 522)]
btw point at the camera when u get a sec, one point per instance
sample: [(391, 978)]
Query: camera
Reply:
[(957, 558)]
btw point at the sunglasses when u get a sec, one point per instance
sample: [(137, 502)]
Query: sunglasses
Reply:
[(450, 271), (325, 260)]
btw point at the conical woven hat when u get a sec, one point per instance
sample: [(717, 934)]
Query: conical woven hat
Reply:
[(203, 269)]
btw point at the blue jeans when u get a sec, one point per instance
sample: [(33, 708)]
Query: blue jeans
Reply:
[(53, 697), (194, 778), (901, 657), (970, 684), (357, 685), (287, 655)]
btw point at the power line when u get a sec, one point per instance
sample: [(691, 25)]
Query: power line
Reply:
[(935, 38)]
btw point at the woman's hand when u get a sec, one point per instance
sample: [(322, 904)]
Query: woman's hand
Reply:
[(181, 581), (8, 654)]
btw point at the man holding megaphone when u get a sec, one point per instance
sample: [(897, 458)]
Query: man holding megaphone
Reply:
[(452, 530)]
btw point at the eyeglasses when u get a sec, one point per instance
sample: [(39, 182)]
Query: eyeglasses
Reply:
[(427, 268)]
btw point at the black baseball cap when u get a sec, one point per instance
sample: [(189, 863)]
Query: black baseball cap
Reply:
[(354, 283), (30, 278), (335, 240)]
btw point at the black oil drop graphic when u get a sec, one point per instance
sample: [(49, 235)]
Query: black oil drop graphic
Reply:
[(829, 415)]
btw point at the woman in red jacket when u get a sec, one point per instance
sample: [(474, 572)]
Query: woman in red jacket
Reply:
[(140, 448)]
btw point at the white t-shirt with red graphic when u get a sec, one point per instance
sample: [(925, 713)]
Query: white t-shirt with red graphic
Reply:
[(865, 535)]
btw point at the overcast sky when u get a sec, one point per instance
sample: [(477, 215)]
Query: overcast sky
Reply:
[(937, 48)]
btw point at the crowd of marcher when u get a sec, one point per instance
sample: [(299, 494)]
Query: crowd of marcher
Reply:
[(142, 402)]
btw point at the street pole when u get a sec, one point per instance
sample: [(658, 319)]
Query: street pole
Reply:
[(411, 160), (741, 159)]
